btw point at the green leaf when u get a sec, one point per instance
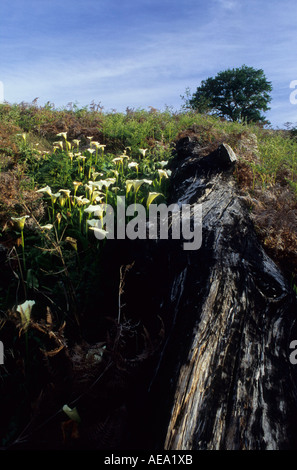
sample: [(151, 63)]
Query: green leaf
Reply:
[(32, 281)]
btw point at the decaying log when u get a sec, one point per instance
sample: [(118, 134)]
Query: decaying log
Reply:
[(224, 379)]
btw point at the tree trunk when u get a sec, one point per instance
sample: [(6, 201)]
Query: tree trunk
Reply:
[(224, 379)]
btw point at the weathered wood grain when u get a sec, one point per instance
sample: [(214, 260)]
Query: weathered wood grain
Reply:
[(224, 379)]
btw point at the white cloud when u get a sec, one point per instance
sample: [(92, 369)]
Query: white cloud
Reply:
[(148, 66)]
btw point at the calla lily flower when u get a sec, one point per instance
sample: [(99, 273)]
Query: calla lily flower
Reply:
[(60, 144), (163, 163), (72, 241), (46, 227), (20, 221), (94, 188), (95, 144), (25, 310), (92, 184), (72, 413), (95, 174), (93, 222), (65, 191), (135, 184), (103, 183), (151, 197), (24, 136), (99, 232), (117, 160), (89, 187), (55, 196), (46, 190), (162, 173), (98, 198), (98, 210), (68, 145), (143, 151), (76, 185), (62, 201), (81, 201), (133, 165), (96, 194), (62, 134)]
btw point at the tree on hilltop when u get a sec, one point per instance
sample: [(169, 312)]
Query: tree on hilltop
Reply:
[(239, 94)]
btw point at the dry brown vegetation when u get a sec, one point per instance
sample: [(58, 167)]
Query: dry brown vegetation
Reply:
[(273, 206), (15, 193)]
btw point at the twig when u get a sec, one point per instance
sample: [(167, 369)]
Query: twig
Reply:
[(121, 286)]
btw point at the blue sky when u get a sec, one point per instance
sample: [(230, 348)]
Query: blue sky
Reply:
[(141, 53)]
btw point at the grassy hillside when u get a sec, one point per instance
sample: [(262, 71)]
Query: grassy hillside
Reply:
[(57, 165), (65, 149)]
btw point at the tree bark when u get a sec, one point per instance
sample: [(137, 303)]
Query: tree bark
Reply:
[(224, 379)]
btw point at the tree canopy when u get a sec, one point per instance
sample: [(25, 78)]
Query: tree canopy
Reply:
[(239, 94)]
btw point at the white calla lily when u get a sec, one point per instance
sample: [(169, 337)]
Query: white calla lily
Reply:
[(163, 163), (65, 191), (162, 174), (100, 233), (46, 227), (46, 190), (81, 201), (97, 209), (62, 134), (72, 413), (20, 221), (143, 151), (133, 165), (25, 310)]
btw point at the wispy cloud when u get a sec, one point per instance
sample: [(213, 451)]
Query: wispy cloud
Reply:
[(227, 4), (143, 53)]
